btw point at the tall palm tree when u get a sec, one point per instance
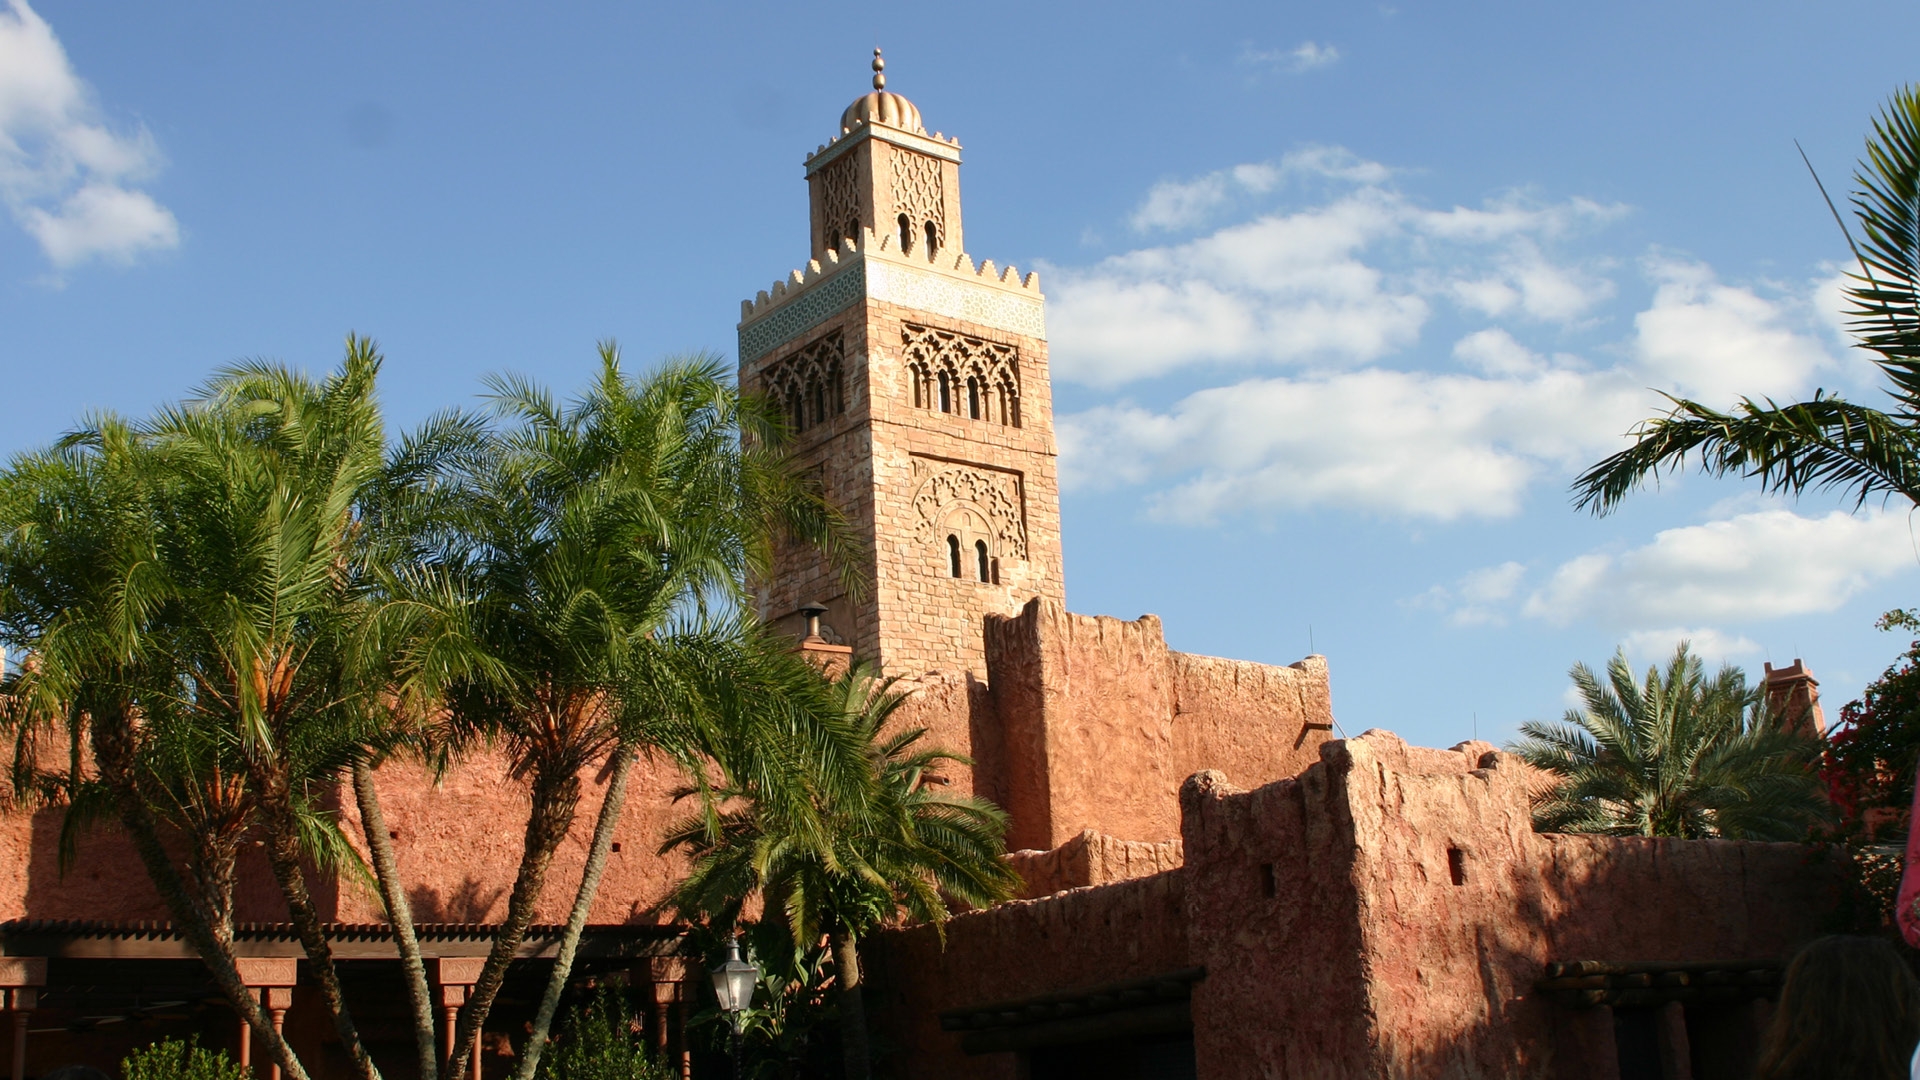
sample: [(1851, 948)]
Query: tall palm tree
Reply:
[(555, 564), (1826, 441), (1676, 755), (913, 848), (77, 541)]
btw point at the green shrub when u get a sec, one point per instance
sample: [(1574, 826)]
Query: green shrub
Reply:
[(171, 1059), (602, 1040)]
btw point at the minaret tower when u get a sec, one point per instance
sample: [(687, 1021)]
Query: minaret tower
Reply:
[(915, 383)]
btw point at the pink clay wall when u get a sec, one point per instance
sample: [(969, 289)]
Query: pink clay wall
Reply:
[(1091, 859), (458, 846), (1079, 939), (1443, 972), (1100, 722)]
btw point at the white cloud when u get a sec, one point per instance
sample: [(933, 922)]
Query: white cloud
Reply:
[(1181, 204), (1476, 598), (1304, 57), (1761, 565), (1717, 342), (1417, 444), (1345, 282), (66, 177), (1646, 647)]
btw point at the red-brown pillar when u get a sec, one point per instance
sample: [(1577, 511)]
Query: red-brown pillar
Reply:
[(21, 978), (271, 980), (455, 976), (668, 976)]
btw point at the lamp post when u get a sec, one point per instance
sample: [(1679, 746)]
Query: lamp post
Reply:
[(733, 983)]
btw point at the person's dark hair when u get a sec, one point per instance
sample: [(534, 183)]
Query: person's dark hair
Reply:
[(1849, 1008)]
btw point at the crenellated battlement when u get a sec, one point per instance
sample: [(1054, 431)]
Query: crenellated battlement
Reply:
[(860, 128), (886, 247)]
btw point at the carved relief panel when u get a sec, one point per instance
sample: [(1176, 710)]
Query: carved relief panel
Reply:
[(810, 385), (964, 376), (918, 198), (840, 202), (968, 518)]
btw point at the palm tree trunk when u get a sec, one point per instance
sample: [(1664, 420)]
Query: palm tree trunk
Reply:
[(603, 827), (400, 916), (283, 855), (555, 799), (853, 1009), (113, 754)]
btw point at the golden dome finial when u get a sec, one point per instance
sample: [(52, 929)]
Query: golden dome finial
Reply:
[(879, 70)]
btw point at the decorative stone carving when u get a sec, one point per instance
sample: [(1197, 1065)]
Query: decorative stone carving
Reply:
[(810, 385), (840, 202), (978, 502), (811, 308), (955, 298), (917, 193), (966, 376)]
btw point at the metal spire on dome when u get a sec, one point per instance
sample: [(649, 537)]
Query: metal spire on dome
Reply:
[(879, 70)]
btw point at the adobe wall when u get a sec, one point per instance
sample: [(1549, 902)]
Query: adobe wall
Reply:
[(1100, 722), (1079, 939), (1441, 966), (457, 842), (1091, 859)]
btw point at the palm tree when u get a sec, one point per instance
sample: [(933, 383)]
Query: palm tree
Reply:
[(556, 563), (77, 538), (1678, 755), (1825, 442), (914, 847)]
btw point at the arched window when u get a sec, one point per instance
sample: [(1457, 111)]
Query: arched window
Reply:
[(796, 411), (946, 393), (953, 554), (980, 551), (918, 378), (973, 398), (819, 402), (933, 241), (906, 234)]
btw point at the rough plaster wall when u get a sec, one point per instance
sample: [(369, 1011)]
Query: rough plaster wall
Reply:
[(1076, 940), (1401, 972), (458, 845), (1101, 722), (1091, 858), (1285, 992), (956, 712), (1254, 722)]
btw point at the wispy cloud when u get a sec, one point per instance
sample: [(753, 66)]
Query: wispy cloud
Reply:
[(1340, 291), (1306, 56), (67, 178)]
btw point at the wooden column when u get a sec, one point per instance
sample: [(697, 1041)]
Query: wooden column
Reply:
[(455, 977), (271, 980), (21, 978)]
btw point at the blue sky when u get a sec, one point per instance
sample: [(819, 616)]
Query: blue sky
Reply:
[(1340, 296)]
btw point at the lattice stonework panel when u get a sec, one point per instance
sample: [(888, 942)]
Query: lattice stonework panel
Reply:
[(840, 201), (981, 502), (917, 191), (810, 385), (966, 376)]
